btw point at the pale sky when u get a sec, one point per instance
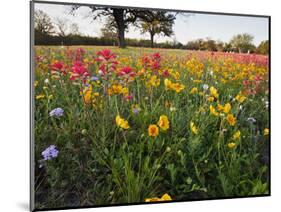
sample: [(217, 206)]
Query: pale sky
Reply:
[(217, 27)]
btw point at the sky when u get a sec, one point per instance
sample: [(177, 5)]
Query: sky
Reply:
[(194, 26)]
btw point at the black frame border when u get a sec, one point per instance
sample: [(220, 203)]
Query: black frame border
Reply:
[(31, 103)]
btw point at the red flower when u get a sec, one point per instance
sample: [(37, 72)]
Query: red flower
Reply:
[(126, 71), (246, 82), (145, 61), (165, 73), (78, 71), (258, 78), (155, 65), (129, 97), (156, 56), (105, 54), (57, 67)]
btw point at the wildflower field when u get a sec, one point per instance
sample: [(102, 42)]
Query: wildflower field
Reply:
[(118, 126)]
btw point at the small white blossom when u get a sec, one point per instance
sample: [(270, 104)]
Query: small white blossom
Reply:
[(205, 87)]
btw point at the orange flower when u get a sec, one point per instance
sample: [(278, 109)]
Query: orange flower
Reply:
[(153, 130)]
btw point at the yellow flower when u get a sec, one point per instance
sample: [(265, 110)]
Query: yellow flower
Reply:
[(178, 87), (165, 197), (87, 95), (122, 122), (168, 84), (240, 98), (231, 145), (213, 111), (231, 119), (163, 122), (193, 128), (220, 107), (125, 91), (153, 82), (211, 99), (197, 81), (236, 135), (176, 75), (40, 96), (153, 199), (214, 92), (117, 89), (109, 91), (266, 131), (173, 86), (153, 130), (227, 108), (35, 83), (194, 90), (96, 94)]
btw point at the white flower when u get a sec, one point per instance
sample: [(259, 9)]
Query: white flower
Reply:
[(266, 104), (251, 120), (172, 109), (205, 87), (100, 72), (222, 115), (46, 81)]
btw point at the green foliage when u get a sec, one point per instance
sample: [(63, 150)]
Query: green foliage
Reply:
[(243, 43), (263, 48)]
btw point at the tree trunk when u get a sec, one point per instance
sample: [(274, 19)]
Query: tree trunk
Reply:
[(119, 18), (151, 40)]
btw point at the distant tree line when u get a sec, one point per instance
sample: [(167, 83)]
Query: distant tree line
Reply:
[(63, 32), (242, 43)]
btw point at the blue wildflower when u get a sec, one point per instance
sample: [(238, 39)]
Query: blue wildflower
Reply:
[(93, 78), (135, 110), (57, 112), (50, 153)]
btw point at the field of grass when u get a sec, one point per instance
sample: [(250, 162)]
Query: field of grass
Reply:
[(137, 125)]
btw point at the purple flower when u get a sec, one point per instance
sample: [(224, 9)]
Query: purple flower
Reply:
[(93, 78), (50, 153), (135, 110), (57, 112)]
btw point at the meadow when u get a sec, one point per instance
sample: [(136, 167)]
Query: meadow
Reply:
[(117, 126)]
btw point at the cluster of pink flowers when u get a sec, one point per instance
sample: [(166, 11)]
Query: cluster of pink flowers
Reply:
[(253, 87), (260, 60), (152, 62)]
